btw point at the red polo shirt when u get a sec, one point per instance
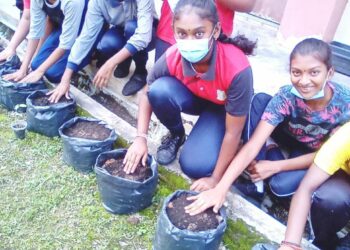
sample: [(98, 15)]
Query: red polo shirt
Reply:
[(165, 31), (228, 80), (26, 4)]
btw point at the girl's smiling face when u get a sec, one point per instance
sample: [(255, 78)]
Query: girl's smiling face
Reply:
[(308, 74)]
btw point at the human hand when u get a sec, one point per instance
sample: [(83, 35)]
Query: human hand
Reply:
[(137, 152), (103, 75), (204, 183), (261, 170), (210, 198), (33, 76), (16, 76), (61, 90), (6, 53)]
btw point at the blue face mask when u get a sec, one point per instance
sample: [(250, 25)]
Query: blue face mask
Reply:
[(194, 50), (319, 94)]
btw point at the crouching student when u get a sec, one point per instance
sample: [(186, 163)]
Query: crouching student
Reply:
[(126, 39), (226, 11), (66, 17), (205, 74), (324, 194), (300, 117)]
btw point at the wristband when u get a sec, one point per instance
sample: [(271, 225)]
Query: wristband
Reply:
[(292, 245), (143, 135)]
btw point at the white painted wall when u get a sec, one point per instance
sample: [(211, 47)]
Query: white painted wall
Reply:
[(343, 31)]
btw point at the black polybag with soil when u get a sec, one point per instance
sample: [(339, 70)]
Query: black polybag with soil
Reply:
[(82, 153), (15, 93), (169, 237), (120, 195), (47, 118), (10, 65)]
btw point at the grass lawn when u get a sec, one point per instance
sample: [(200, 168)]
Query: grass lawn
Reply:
[(45, 204)]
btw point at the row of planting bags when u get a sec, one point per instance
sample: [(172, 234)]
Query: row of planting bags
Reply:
[(119, 195)]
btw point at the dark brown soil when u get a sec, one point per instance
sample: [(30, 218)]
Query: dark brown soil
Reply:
[(200, 222), (44, 101), (115, 168), (88, 130), (111, 104)]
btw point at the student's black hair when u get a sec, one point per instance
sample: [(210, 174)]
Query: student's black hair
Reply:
[(315, 47), (206, 9)]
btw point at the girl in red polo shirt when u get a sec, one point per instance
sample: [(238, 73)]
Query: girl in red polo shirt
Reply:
[(226, 11), (206, 74)]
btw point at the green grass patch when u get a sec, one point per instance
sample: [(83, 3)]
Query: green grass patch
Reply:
[(83, 113), (45, 204)]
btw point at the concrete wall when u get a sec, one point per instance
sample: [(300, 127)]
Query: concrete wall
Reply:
[(312, 18), (343, 31)]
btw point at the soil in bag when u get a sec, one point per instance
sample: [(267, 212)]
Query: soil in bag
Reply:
[(88, 130), (44, 101), (115, 167), (201, 222)]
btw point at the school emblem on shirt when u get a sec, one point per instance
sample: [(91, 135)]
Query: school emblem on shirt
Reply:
[(220, 95)]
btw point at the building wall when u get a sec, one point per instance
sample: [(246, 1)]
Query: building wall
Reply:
[(342, 34)]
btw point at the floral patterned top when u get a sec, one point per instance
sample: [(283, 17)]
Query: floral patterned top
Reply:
[(303, 124)]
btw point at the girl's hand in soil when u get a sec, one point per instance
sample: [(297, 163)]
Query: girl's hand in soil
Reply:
[(61, 90), (33, 77), (103, 75), (16, 76), (203, 184), (260, 170), (210, 198), (137, 152)]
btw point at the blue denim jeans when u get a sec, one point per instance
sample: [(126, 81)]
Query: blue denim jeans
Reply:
[(115, 39), (168, 98), (284, 183), (55, 72)]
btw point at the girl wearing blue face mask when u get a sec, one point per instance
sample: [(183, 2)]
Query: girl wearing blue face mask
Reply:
[(206, 74), (300, 117)]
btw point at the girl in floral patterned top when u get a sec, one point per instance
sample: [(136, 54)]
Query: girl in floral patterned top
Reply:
[(300, 117)]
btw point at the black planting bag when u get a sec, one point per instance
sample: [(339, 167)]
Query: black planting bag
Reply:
[(12, 94), (123, 196), (48, 119), (10, 65), (82, 153), (169, 237)]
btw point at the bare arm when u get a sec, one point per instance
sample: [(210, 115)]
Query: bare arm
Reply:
[(20, 34), (234, 126), (238, 5), (301, 203), (138, 150), (104, 74), (22, 72), (263, 169), (40, 71), (215, 197)]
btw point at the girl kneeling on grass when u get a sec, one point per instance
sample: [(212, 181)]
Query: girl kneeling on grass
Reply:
[(204, 74), (325, 192), (300, 116)]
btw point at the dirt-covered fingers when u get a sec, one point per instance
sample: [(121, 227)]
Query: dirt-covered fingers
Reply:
[(199, 205)]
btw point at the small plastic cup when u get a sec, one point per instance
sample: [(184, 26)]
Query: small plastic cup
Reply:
[(19, 128)]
